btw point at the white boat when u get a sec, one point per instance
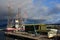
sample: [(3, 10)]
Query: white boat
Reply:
[(52, 33)]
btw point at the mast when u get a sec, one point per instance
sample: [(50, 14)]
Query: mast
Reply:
[(9, 17), (9, 23), (19, 20), (19, 17)]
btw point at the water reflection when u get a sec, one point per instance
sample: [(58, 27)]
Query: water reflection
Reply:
[(2, 37), (10, 38)]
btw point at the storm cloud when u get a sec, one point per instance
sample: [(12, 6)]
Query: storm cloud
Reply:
[(48, 10)]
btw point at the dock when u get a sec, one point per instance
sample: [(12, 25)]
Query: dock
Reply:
[(26, 35)]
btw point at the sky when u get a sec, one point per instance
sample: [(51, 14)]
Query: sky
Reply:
[(48, 10)]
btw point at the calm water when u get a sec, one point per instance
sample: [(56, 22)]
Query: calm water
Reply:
[(2, 37)]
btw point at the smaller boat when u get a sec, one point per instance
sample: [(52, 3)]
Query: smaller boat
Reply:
[(52, 33)]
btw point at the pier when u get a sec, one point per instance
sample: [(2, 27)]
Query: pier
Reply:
[(28, 35), (25, 35)]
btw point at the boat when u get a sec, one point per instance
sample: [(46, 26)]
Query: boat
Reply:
[(15, 24)]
